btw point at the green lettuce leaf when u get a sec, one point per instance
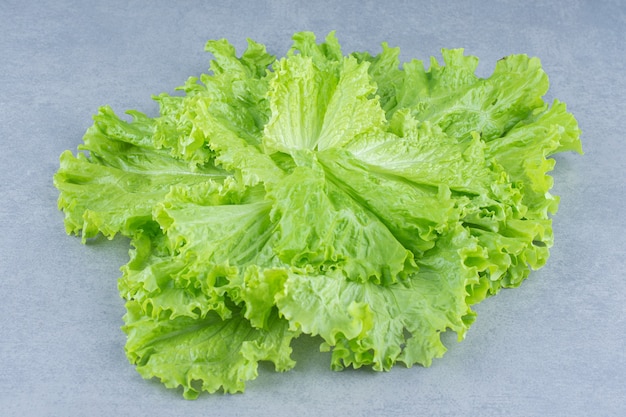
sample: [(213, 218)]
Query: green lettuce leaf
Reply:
[(369, 324), (204, 354), (345, 196), (113, 185)]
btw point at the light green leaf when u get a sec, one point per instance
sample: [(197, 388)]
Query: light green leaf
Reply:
[(316, 108), (114, 184), (369, 324), (205, 353), (320, 228)]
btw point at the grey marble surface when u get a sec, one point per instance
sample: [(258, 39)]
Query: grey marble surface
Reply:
[(555, 346)]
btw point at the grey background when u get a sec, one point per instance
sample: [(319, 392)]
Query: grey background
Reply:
[(555, 346)]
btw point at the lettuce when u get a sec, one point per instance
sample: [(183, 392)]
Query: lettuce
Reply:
[(345, 196)]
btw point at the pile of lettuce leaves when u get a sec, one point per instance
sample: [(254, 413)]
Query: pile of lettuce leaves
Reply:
[(348, 197)]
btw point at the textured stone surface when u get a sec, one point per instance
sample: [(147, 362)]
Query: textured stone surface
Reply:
[(556, 346)]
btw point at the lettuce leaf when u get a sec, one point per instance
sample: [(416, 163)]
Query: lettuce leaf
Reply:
[(346, 196)]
